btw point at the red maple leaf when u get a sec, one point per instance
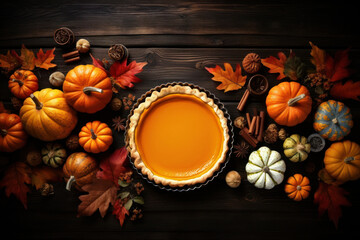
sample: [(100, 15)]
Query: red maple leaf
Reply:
[(330, 198), (120, 211), (337, 67), (348, 90), (124, 75), (98, 63), (15, 179), (112, 166)]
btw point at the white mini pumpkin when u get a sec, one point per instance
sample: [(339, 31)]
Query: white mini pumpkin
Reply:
[(265, 168)]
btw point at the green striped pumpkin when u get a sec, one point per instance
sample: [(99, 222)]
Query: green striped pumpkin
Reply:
[(296, 148), (53, 154), (265, 168), (333, 120)]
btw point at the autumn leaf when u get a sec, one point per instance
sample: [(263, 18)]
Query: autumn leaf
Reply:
[(124, 75), (318, 58), (276, 65), (15, 179), (112, 166), (101, 194), (348, 90), (337, 67), (10, 61), (45, 174), (43, 60), (330, 198), (294, 68), (229, 79), (98, 63), (28, 58), (120, 211)]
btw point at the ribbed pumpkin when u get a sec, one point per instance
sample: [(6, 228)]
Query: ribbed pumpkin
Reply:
[(47, 116), (298, 187), (12, 134), (53, 154), (79, 169), (22, 83), (265, 168), (342, 161), (95, 137), (333, 120), (288, 103), (87, 88), (296, 148)]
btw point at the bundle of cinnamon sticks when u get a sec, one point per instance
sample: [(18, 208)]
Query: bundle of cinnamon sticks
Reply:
[(254, 132)]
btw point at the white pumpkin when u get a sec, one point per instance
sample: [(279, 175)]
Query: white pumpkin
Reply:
[(265, 168)]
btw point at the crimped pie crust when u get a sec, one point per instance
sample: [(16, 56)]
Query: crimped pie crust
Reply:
[(134, 119)]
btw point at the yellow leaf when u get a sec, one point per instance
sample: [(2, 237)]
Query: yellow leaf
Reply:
[(43, 60), (27, 56), (318, 58), (229, 79)]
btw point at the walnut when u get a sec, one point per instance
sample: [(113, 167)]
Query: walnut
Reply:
[(240, 122), (271, 134), (116, 104), (251, 63), (282, 134), (233, 179)]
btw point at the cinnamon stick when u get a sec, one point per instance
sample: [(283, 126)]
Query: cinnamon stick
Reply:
[(243, 100), (245, 134), (252, 125), (248, 119), (257, 125), (71, 54), (251, 137), (72, 59), (261, 130)]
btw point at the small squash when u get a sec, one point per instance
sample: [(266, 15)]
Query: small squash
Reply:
[(95, 137), (265, 168), (87, 88), (297, 187), (333, 120), (12, 134), (342, 161), (288, 103), (296, 148), (53, 154), (22, 83), (47, 116), (79, 169)]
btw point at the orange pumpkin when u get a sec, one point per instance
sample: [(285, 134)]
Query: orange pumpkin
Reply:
[(47, 116), (12, 134), (342, 161), (22, 83), (87, 88), (288, 103), (79, 169), (297, 187), (95, 137)]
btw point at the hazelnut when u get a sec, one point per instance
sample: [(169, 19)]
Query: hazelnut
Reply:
[(240, 122), (233, 179), (251, 63), (56, 79), (83, 45)]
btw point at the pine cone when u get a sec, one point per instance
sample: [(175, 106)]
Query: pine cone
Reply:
[(251, 63)]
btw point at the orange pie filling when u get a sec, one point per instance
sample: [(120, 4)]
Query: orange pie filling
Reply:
[(179, 137)]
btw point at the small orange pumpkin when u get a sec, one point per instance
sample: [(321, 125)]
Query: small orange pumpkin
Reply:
[(342, 161), (289, 103), (79, 169), (12, 134), (297, 187), (95, 137), (87, 88), (22, 83)]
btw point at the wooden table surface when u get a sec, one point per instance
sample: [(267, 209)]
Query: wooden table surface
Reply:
[(178, 39)]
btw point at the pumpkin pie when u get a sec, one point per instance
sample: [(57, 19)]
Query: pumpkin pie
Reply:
[(178, 136)]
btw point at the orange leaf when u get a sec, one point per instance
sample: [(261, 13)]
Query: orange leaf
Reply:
[(10, 61), (101, 193), (348, 90), (337, 67), (330, 198), (45, 174), (15, 179), (229, 79), (27, 57), (318, 58), (276, 65), (43, 60), (120, 212), (124, 75)]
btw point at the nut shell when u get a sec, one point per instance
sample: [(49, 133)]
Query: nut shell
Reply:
[(251, 63), (233, 179)]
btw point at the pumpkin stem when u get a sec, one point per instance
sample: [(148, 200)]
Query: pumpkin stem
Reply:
[(298, 187), (300, 147), (88, 90), (93, 135), (38, 104), (70, 182), (294, 100), (266, 169), (18, 81), (349, 159), (3, 132), (335, 121)]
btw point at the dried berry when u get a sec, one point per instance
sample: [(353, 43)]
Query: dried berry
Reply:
[(251, 63)]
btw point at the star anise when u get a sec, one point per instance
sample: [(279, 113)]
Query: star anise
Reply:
[(118, 123), (241, 149)]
